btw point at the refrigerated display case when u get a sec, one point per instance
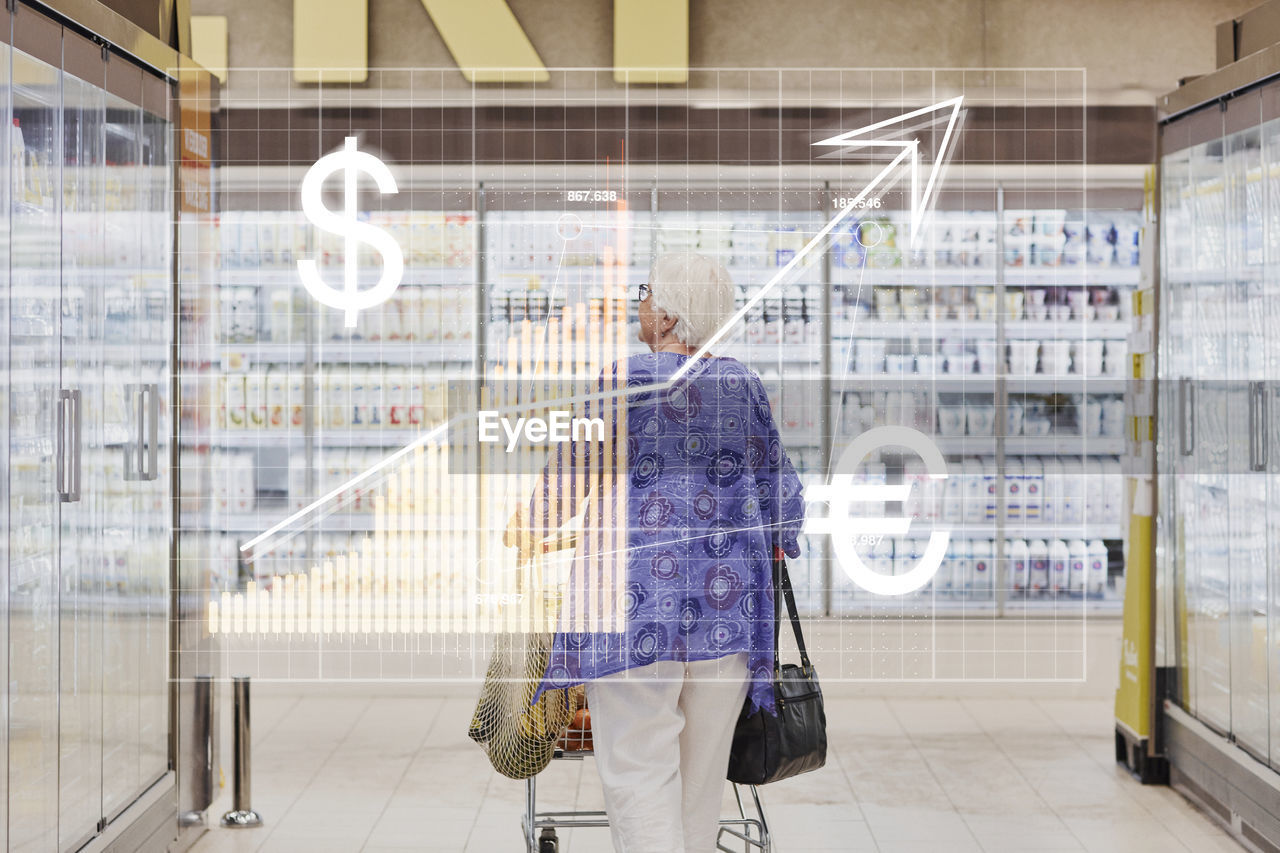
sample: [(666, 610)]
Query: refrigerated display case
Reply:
[(87, 245), (865, 334), (1216, 543)]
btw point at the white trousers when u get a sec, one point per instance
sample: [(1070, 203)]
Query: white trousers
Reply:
[(662, 735)]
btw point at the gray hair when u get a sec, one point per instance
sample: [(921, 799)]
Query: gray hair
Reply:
[(694, 289)]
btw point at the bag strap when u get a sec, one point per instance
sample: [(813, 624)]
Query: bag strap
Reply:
[(782, 584)]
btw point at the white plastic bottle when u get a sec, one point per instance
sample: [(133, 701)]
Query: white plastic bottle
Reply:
[(962, 580), (1038, 575), (983, 569), (975, 499), (1051, 496), (1013, 483), (1096, 582), (1113, 490), (1095, 493), (1059, 563), (1033, 490), (1078, 565), (990, 489), (1019, 557), (953, 491)]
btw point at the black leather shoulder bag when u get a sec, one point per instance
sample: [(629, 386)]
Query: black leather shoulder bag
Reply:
[(767, 748)]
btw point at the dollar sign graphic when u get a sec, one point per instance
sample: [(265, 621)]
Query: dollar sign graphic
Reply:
[(350, 299)]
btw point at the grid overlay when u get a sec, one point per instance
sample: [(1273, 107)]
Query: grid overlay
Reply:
[(283, 405)]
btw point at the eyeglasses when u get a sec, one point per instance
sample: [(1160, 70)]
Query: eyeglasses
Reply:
[(645, 290)]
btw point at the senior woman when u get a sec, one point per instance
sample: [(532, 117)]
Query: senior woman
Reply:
[(709, 492)]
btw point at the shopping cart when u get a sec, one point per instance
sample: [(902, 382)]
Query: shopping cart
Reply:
[(751, 833)]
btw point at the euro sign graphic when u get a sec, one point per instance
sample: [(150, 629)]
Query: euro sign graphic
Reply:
[(844, 528), (350, 299)]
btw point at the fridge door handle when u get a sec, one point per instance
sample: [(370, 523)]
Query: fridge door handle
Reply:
[(1258, 436), (1186, 406), (60, 454), (152, 393), (135, 461), (77, 423), (68, 439)]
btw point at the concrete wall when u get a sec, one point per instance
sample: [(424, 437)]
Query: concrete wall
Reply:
[(1130, 50)]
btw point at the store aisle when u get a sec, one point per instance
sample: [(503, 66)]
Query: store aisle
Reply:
[(989, 769)]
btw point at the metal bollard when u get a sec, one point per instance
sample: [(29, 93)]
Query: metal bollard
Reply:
[(200, 749), (241, 814)]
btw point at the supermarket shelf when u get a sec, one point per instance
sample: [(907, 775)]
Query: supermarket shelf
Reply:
[(256, 522), (985, 277), (1015, 529), (329, 353), (276, 276), (249, 438), (1076, 329), (985, 383), (947, 604), (1028, 445)]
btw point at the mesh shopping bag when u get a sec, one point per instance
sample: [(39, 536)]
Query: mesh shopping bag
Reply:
[(518, 734)]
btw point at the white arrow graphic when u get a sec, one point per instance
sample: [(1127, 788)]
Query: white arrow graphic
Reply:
[(910, 149), (854, 139)]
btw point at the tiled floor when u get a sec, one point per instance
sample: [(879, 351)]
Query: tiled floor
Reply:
[(1021, 768)]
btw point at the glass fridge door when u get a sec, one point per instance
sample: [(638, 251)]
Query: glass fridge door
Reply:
[(37, 448), (1207, 576), (80, 676), (1271, 296), (1245, 392), (1176, 489), (123, 376), (154, 309)]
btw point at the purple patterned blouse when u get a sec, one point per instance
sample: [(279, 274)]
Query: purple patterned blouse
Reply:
[(709, 492)]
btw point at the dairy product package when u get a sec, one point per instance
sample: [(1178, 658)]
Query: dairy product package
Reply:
[(395, 392), (1095, 493), (953, 491), (429, 321), (1051, 496), (242, 489), (276, 397), (337, 399), (1078, 565), (962, 579), (237, 417), (358, 408), (983, 569), (1096, 581), (915, 476), (990, 489), (1038, 575), (1059, 565), (1113, 490), (1033, 488), (279, 318), (296, 400), (374, 391), (1073, 490), (255, 398), (220, 417), (1019, 561), (298, 497), (1013, 486), (975, 497)]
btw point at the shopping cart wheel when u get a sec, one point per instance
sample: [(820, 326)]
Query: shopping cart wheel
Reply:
[(547, 841)]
